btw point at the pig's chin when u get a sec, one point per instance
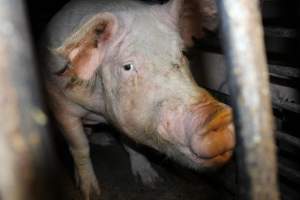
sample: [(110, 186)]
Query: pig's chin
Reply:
[(198, 163)]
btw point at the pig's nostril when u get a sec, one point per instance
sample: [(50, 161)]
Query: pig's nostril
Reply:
[(214, 142)]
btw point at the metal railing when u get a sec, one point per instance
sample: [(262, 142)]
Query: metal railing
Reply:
[(244, 49), (27, 164)]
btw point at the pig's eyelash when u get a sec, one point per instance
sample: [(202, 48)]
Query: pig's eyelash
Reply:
[(64, 69)]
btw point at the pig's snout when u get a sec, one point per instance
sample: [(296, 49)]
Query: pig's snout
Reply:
[(214, 137)]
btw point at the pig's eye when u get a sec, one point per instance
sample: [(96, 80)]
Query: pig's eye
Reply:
[(128, 67)]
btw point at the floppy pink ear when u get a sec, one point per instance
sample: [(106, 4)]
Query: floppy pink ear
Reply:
[(85, 48), (193, 17)]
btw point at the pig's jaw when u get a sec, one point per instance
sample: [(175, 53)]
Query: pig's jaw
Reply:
[(184, 155), (187, 158)]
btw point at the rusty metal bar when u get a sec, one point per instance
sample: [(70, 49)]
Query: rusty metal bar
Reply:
[(245, 56), (27, 164)]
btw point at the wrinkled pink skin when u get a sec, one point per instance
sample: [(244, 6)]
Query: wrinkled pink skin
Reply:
[(156, 102)]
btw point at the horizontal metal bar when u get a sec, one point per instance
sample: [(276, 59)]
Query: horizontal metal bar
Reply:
[(288, 143), (288, 170), (284, 71)]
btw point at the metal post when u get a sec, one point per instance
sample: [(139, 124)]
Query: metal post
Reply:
[(245, 56), (27, 165)]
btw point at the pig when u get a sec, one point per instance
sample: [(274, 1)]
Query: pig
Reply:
[(121, 62)]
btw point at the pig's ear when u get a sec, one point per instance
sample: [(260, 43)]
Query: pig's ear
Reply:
[(193, 17), (85, 48)]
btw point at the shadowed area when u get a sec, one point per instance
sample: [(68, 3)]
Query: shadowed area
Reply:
[(112, 167)]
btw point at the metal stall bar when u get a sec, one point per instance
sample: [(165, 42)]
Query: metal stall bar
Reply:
[(27, 164), (245, 56)]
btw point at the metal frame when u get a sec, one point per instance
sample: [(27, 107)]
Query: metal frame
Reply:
[(27, 166), (245, 56)]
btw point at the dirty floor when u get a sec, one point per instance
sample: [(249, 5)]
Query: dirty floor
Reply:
[(112, 168)]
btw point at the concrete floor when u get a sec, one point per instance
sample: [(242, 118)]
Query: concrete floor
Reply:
[(112, 168)]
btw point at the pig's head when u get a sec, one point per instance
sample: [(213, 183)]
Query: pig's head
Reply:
[(135, 60)]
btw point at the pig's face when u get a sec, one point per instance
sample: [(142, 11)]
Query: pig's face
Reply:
[(152, 96), (148, 90)]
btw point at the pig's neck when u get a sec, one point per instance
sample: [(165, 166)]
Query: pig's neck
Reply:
[(88, 96)]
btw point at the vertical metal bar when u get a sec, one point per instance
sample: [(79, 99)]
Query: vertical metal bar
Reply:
[(245, 57), (25, 154)]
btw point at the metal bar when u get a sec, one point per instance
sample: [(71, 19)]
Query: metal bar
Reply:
[(27, 169), (245, 57)]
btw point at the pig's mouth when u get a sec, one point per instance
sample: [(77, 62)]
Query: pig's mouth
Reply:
[(201, 153), (199, 163), (211, 144), (204, 136), (205, 157), (215, 144), (214, 161)]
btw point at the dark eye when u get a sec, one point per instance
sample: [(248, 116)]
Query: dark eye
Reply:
[(128, 67), (176, 66)]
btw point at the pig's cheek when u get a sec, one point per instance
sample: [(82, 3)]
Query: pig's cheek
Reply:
[(127, 108), (128, 92), (128, 84), (171, 127), (125, 111)]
